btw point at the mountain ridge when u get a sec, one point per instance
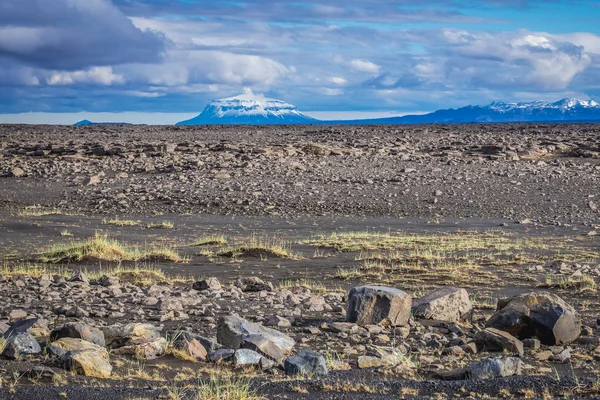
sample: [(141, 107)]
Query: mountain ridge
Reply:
[(252, 109)]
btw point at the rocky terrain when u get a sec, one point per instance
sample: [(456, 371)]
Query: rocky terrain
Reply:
[(338, 262), (545, 173)]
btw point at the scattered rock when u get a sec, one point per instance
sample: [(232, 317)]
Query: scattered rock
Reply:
[(207, 284), (233, 330), (79, 331), (372, 305), (492, 339), (495, 368), (131, 334), (306, 362), (21, 344), (447, 304), (540, 314)]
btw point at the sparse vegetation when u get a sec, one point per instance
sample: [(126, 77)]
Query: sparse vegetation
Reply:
[(226, 388), (36, 211), (65, 233), (211, 240), (121, 222), (105, 248), (262, 248), (161, 225)]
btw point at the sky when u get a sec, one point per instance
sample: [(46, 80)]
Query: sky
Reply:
[(119, 60)]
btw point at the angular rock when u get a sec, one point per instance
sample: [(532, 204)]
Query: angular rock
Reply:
[(220, 355), (279, 322), (538, 314), (495, 368), (243, 357), (21, 344), (82, 357), (305, 362), (145, 351), (37, 327), (80, 277), (191, 346), (253, 284), (492, 339), (448, 304), (79, 331), (232, 330), (131, 334), (16, 172), (207, 284), (263, 346), (373, 305)]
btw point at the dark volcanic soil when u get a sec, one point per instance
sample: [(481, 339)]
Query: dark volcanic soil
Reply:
[(546, 173)]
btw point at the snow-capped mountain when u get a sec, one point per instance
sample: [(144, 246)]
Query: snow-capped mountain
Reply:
[(249, 109), (564, 110)]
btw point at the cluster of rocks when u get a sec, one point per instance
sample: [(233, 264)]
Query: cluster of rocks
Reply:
[(545, 173), (375, 327)]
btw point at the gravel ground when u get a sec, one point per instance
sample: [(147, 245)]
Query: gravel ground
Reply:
[(545, 173)]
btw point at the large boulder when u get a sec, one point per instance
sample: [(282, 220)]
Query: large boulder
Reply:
[(447, 304), (79, 331), (492, 339), (538, 314), (233, 331), (306, 362), (21, 344), (495, 368), (117, 336), (373, 305), (82, 357)]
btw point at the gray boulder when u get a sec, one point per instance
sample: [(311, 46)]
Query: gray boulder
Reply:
[(372, 305), (538, 314), (21, 344), (207, 284), (495, 368), (233, 330), (448, 304), (221, 354), (306, 362)]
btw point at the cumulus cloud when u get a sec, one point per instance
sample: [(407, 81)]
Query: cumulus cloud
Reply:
[(99, 75), (536, 60), (365, 66), (73, 34)]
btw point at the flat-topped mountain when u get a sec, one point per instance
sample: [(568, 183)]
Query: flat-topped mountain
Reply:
[(249, 109)]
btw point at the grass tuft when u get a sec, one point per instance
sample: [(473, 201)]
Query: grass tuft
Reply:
[(262, 248), (105, 248), (121, 222), (161, 225), (226, 388), (211, 240)]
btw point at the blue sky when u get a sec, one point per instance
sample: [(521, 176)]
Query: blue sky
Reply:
[(373, 57)]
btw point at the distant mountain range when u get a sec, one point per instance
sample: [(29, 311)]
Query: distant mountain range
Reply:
[(251, 109), (564, 110)]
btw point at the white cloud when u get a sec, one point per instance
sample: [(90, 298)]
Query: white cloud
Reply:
[(99, 75), (365, 66), (338, 80)]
